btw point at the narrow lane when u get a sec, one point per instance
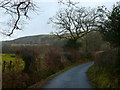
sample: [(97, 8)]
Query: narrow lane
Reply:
[(73, 78)]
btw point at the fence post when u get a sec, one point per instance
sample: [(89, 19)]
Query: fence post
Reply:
[(10, 65), (4, 64)]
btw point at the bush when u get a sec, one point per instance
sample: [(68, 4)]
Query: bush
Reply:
[(14, 80), (117, 63), (37, 76), (72, 55), (69, 56), (105, 59), (86, 55), (65, 62), (71, 44), (53, 60), (28, 56), (108, 63)]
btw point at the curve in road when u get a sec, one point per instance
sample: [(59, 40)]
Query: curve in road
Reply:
[(73, 78)]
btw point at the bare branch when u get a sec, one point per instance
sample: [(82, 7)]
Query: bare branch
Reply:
[(75, 22), (17, 9)]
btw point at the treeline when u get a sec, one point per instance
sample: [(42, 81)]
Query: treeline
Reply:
[(106, 71)]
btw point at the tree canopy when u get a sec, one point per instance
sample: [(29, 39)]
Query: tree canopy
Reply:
[(74, 22), (111, 27)]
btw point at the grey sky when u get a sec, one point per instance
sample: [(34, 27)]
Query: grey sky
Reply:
[(38, 23)]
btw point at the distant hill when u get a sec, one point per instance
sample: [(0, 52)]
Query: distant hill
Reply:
[(33, 40)]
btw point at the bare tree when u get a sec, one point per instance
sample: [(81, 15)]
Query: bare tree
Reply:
[(74, 22), (17, 11)]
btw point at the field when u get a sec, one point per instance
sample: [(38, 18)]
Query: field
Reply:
[(11, 61)]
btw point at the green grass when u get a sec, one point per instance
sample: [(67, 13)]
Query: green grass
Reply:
[(41, 83), (18, 63), (101, 78)]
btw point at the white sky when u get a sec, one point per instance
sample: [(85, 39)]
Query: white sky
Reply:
[(38, 23), (77, 0)]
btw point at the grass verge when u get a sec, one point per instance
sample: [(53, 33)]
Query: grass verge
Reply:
[(101, 78)]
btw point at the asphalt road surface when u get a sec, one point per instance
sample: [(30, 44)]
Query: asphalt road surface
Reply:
[(73, 78)]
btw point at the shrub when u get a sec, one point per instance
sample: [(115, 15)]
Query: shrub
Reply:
[(109, 60), (53, 60), (105, 58), (72, 55), (117, 63), (86, 55), (14, 80), (28, 56), (65, 62), (69, 56), (71, 44)]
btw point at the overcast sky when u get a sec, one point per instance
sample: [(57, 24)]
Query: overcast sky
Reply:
[(38, 23)]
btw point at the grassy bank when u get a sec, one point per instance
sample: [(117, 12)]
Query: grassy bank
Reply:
[(102, 78), (41, 83)]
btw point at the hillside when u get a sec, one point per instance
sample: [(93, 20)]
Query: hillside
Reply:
[(37, 39)]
